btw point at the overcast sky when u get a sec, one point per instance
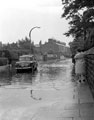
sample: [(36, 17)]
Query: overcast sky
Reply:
[(17, 17)]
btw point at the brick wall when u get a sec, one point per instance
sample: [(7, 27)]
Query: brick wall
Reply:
[(89, 59)]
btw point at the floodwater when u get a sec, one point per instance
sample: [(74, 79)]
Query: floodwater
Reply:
[(21, 95), (50, 72)]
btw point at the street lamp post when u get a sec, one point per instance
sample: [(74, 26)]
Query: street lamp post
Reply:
[(30, 34)]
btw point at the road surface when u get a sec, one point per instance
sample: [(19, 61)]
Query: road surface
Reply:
[(33, 96)]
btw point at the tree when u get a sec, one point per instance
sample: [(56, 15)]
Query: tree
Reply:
[(24, 43), (12, 46), (80, 14), (75, 7)]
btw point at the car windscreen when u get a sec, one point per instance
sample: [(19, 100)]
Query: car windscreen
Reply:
[(26, 59)]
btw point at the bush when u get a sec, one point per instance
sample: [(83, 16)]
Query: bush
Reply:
[(3, 61)]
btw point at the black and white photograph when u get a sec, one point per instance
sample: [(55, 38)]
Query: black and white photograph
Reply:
[(46, 60)]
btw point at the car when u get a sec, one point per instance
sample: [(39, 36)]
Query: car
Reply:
[(26, 63)]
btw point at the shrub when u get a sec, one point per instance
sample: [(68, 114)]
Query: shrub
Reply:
[(3, 61)]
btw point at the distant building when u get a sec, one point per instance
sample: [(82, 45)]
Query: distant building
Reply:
[(53, 47)]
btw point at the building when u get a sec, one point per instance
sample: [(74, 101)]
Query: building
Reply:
[(52, 45), (53, 48)]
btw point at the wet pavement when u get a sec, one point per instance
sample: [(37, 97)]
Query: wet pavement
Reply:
[(51, 93)]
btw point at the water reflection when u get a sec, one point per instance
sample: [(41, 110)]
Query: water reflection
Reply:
[(51, 72), (5, 78), (16, 79)]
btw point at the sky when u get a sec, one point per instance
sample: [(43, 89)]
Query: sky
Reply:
[(18, 17)]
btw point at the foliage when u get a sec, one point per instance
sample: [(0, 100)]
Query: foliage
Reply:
[(21, 45), (24, 43), (72, 7), (80, 14), (13, 50), (3, 61)]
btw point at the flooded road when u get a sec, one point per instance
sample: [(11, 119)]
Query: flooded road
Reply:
[(48, 73), (22, 95)]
